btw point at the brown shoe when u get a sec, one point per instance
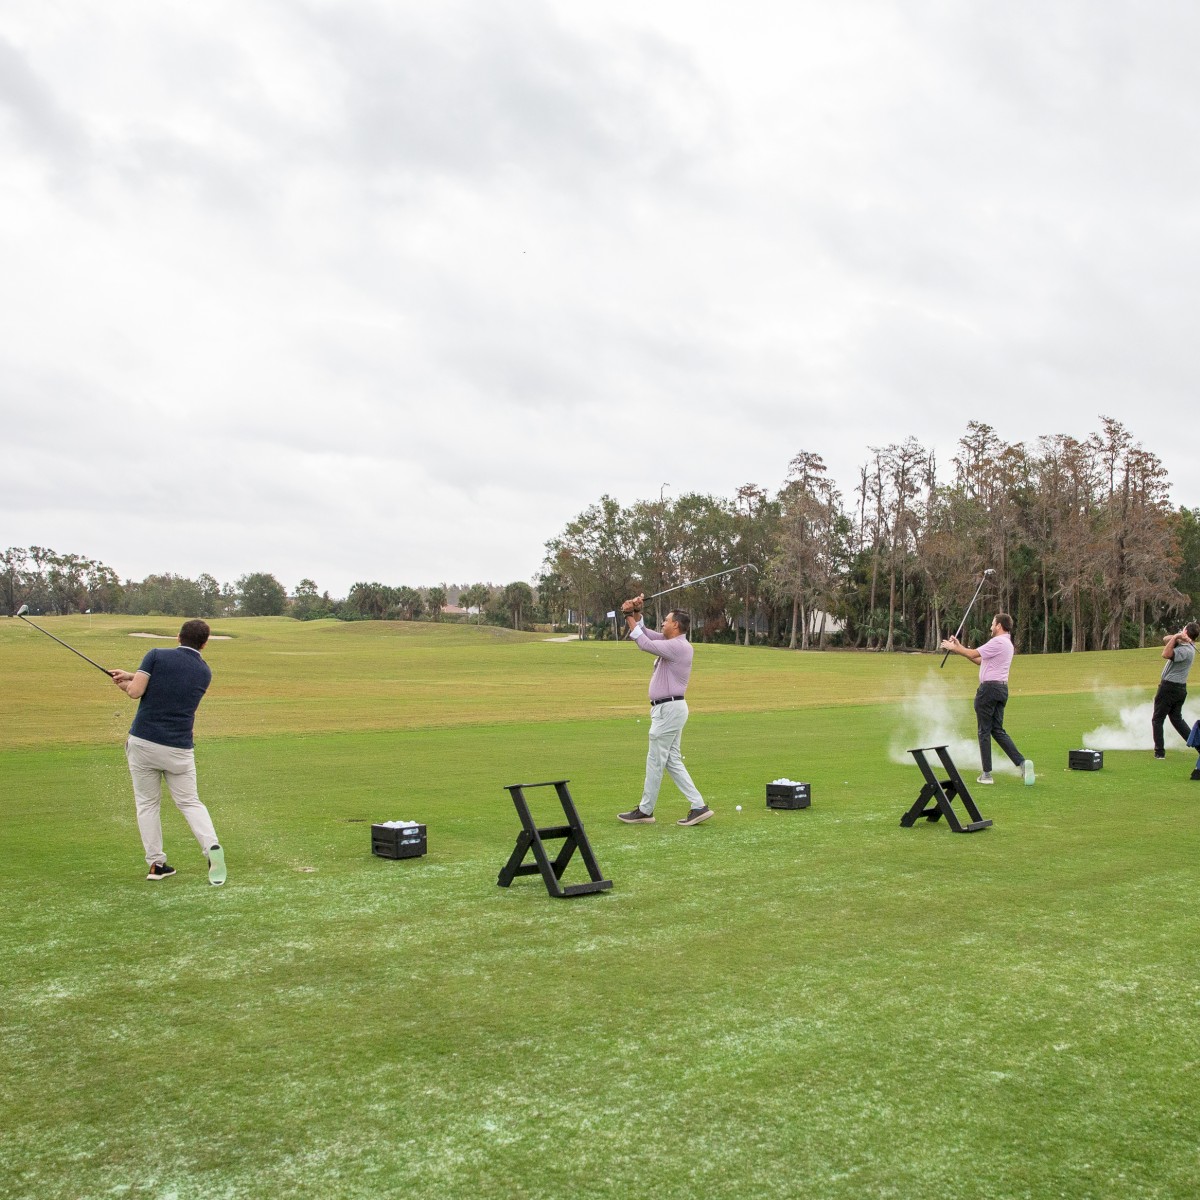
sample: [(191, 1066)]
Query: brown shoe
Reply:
[(696, 815), (635, 816)]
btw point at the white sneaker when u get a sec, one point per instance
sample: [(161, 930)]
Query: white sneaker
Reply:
[(216, 866), (986, 777), (1028, 768)]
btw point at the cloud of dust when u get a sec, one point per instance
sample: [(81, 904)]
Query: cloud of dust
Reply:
[(929, 718), (1128, 723)]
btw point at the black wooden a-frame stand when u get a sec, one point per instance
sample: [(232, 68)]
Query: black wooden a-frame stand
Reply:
[(941, 792), (532, 838)]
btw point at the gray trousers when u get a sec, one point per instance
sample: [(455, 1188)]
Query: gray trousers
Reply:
[(149, 765), (666, 732)]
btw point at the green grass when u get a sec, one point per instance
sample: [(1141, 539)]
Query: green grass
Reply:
[(773, 1004)]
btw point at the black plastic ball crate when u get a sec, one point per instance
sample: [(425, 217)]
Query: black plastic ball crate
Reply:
[(788, 795), (390, 842)]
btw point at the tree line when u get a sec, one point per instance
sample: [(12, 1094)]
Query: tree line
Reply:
[(50, 582), (1086, 550), (513, 604)]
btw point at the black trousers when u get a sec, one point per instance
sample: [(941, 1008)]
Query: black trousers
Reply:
[(990, 700), (1168, 702)]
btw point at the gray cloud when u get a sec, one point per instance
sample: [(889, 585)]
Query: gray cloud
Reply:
[(509, 88), (42, 125)]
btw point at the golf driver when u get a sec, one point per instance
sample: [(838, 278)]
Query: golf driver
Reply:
[(703, 579), (963, 623), (21, 613), (692, 582)]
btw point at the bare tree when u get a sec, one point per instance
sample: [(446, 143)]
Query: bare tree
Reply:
[(905, 466), (801, 569)]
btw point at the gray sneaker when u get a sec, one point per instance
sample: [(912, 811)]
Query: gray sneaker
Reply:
[(635, 816), (216, 866), (985, 778), (1027, 767), (696, 815)]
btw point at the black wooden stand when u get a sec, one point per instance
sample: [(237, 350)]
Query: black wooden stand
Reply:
[(531, 838), (941, 792)]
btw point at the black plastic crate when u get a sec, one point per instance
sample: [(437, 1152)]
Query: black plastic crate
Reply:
[(788, 795), (1085, 760), (389, 842)]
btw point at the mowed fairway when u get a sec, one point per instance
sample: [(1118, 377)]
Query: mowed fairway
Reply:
[(813, 1003)]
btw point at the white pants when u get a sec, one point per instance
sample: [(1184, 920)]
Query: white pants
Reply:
[(149, 765), (666, 732)]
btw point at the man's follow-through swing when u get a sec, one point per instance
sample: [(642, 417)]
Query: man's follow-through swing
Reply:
[(668, 712), (994, 658)]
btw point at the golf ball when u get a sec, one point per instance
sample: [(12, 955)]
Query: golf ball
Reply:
[(739, 808)]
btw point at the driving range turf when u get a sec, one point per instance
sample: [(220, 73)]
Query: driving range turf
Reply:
[(773, 1004)]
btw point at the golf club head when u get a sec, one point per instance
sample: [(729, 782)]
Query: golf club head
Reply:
[(22, 610)]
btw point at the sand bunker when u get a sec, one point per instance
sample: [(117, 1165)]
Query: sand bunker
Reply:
[(170, 637)]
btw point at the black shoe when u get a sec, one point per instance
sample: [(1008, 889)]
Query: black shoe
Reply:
[(1195, 774), (160, 871), (1160, 754), (635, 816), (696, 815)]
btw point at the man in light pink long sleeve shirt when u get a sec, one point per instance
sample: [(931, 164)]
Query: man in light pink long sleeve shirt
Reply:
[(668, 713)]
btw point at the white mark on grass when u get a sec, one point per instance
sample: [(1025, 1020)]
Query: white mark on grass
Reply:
[(49, 993), (1118, 987)]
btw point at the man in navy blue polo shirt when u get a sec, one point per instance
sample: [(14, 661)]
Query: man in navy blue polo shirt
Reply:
[(169, 686)]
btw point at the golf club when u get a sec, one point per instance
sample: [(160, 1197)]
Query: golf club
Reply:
[(963, 623), (703, 579), (21, 613), (693, 582)]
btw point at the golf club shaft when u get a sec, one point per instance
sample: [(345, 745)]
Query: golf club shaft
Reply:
[(702, 579), (62, 643), (963, 623), (692, 582)]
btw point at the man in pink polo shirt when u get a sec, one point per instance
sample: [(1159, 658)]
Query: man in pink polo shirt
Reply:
[(994, 658), (668, 712)]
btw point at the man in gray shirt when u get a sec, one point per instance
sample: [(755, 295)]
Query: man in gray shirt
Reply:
[(1179, 651)]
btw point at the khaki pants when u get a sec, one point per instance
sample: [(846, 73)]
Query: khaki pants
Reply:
[(666, 733), (149, 765)]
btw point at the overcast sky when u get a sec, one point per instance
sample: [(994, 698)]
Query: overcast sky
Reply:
[(392, 290)]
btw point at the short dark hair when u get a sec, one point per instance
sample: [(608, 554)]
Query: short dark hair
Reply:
[(194, 633), (1004, 621), (1192, 630), (682, 619)]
